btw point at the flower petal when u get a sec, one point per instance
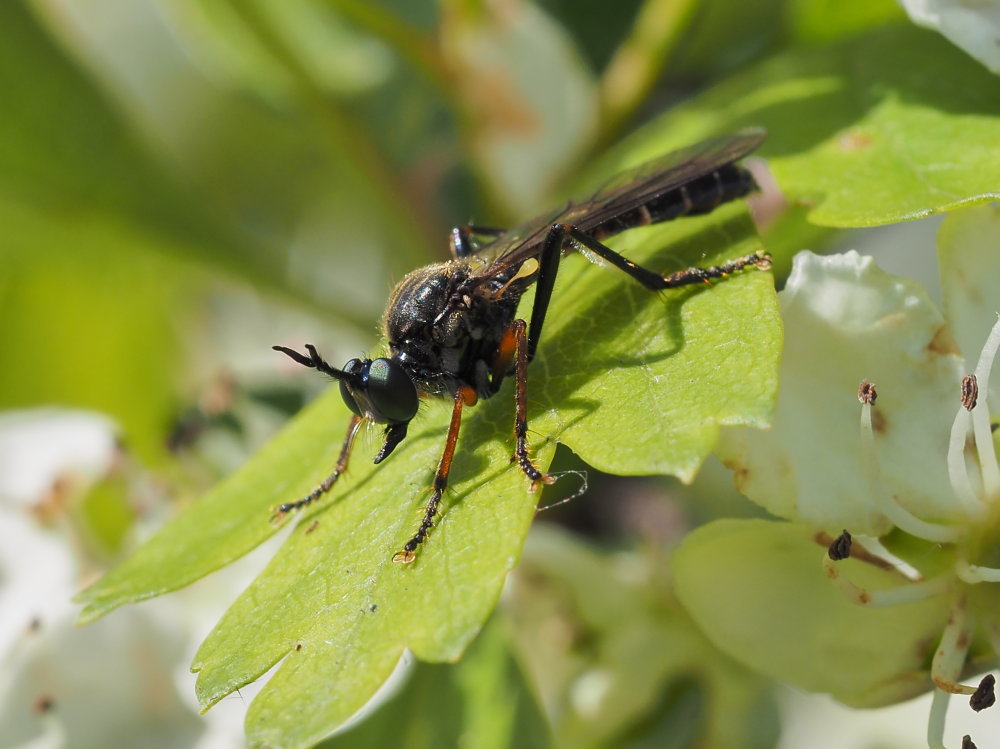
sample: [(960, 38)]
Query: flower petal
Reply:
[(847, 321), (970, 278), (757, 591)]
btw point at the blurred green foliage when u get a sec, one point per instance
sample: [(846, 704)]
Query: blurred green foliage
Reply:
[(183, 184)]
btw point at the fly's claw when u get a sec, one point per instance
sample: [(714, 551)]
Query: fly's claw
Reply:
[(763, 261), (535, 476), (544, 478), (279, 513)]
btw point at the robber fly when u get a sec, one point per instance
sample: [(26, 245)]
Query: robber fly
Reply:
[(453, 330)]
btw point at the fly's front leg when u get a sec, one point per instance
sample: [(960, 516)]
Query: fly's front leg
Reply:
[(329, 481), (521, 407), (464, 396)]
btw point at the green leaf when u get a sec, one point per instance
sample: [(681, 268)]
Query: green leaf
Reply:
[(758, 591), (481, 702), (634, 382), (333, 589), (895, 125)]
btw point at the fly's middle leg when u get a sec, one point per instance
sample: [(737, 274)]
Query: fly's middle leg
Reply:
[(519, 330)]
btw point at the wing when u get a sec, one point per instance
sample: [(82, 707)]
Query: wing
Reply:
[(624, 192)]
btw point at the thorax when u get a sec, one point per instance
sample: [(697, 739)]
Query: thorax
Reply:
[(444, 323)]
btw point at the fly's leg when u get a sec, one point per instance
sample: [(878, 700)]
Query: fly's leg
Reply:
[(329, 481), (519, 328), (464, 396), (560, 234), (548, 267), (463, 243), (654, 281)]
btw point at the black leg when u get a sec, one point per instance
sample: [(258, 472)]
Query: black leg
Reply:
[(329, 481), (549, 267), (464, 396), (463, 241), (654, 281)]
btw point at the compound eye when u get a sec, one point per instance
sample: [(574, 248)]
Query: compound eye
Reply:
[(391, 392), (348, 396), (352, 367)]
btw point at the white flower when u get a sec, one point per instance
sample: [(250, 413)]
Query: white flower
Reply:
[(920, 475), (972, 25)]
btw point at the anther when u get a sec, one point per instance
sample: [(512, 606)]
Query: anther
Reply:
[(970, 392), (840, 549), (866, 393), (984, 696)]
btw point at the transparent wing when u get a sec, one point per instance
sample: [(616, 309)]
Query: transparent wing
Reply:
[(623, 193)]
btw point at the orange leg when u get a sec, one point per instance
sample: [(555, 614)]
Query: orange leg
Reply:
[(329, 481), (519, 328), (463, 396)]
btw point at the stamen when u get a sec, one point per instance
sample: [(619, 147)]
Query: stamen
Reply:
[(907, 593), (886, 503), (935, 721), (878, 599), (973, 573), (957, 472), (952, 651), (981, 417)]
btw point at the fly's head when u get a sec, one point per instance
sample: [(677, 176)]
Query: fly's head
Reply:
[(379, 390)]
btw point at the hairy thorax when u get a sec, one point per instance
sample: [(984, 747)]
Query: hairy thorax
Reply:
[(444, 324)]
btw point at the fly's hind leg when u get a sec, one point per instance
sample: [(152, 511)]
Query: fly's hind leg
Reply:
[(654, 281), (463, 396), (560, 234)]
